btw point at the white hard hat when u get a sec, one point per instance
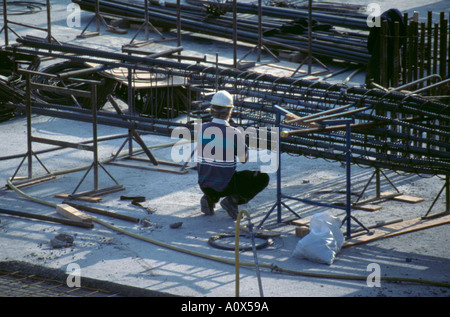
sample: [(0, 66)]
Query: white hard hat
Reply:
[(222, 98)]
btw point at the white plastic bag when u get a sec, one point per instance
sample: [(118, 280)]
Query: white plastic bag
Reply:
[(324, 240)]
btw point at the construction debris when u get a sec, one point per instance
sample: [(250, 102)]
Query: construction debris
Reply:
[(176, 225), (62, 240)]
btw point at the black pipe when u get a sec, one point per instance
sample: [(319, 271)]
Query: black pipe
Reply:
[(164, 16)]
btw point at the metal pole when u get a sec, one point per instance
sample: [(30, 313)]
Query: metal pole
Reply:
[(447, 193), (49, 22), (179, 27), (97, 14), (378, 183), (309, 37), (217, 72), (130, 108), (279, 170), (146, 17), (255, 257), (259, 30), (94, 132), (29, 142), (5, 22), (348, 167), (234, 34)]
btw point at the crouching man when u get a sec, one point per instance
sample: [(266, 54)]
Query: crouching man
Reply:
[(219, 144)]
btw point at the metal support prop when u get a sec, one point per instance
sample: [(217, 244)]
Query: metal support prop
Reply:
[(98, 19), (310, 58), (147, 26), (6, 24), (95, 163), (279, 202), (259, 46), (93, 148), (133, 135), (348, 206), (29, 154), (378, 197), (446, 187)]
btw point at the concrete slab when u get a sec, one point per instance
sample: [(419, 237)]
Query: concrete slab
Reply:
[(143, 255)]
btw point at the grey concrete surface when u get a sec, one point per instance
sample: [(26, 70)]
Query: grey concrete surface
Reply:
[(105, 254)]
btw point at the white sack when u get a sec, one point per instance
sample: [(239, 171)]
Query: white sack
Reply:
[(324, 240)]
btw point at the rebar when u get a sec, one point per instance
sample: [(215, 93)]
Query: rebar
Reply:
[(392, 130), (196, 19)]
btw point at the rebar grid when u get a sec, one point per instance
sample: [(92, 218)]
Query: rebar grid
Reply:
[(16, 284), (392, 130)]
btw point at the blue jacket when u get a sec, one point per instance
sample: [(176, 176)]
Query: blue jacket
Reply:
[(218, 145)]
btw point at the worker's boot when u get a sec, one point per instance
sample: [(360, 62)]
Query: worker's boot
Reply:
[(230, 204), (207, 205)]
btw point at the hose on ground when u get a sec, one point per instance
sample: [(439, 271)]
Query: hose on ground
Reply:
[(233, 262), (236, 250)]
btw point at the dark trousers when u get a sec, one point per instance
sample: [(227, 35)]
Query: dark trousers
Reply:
[(244, 185)]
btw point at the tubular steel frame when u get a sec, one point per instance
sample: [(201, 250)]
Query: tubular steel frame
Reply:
[(6, 22), (92, 148), (146, 26), (348, 204), (391, 130)]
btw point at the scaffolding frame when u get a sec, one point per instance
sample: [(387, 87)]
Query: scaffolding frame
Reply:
[(6, 24), (348, 205), (92, 148)]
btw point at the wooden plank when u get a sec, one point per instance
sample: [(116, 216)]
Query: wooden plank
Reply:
[(83, 198), (301, 231), (362, 206), (367, 207), (397, 229), (30, 182), (72, 213), (102, 212), (404, 198), (408, 199), (97, 192), (46, 218), (301, 222)]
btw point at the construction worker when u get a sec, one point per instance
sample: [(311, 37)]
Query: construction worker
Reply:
[(219, 144)]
